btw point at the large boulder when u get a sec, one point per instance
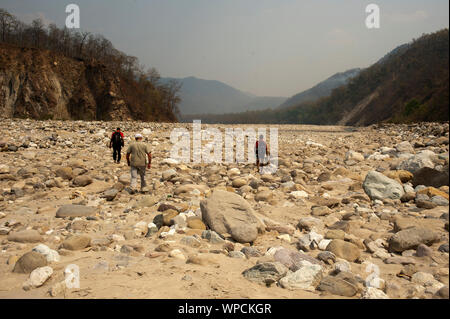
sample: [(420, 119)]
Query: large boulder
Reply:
[(82, 180), (344, 249), (29, 262), (339, 285), (430, 177), (76, 242), (418, 161), (75, 211), (410, 238), (226, 212), (379, 186), (64, 173), (25, 236)]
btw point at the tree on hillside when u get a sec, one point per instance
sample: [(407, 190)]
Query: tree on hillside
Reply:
[(95, 49)]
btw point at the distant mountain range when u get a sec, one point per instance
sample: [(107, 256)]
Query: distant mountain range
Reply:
[(200, 96), (322, 89), (409, 84)]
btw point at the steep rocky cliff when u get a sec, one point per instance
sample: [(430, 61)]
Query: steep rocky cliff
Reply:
[(41, 84)]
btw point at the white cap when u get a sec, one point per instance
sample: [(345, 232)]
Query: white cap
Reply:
[(138, 136)]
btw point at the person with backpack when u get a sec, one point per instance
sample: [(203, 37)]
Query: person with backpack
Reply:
[(261, 150), (139, 157), (117, 143)]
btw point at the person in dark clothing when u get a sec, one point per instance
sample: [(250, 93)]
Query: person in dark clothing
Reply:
[(117, 143), (261, 151)]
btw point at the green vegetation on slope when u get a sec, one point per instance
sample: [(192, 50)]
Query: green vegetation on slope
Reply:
[(409, 85), (146, 97)]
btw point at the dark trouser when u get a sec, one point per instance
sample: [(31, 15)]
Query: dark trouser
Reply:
[(117, 150)]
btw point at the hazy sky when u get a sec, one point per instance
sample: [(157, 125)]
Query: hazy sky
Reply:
[(266, 47)]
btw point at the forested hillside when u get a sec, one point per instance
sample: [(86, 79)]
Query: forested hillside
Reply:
[(49, 72), (407, 85)]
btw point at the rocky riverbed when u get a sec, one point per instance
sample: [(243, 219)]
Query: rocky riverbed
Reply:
[(349, 213)]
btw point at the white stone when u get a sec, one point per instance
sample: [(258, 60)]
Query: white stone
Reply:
[(342, 265), (151, 225), (176, 253), (38, 277), (418, 161), (408, 188), (285, 237), (146, 131), (50, 254), (351, 155), (170, 161), (375, 282), (272, 250), (311, 143), (422, 278), (378, 157), (373, 293), (167, 233), (141, 228), (116, 237), (324, 243), (299, 194), (306, 277)]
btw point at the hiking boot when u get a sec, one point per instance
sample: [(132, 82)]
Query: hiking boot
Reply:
[(130, 190)]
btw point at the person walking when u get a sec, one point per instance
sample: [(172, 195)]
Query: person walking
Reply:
[(261, 150), (141, 158), (117, 143)]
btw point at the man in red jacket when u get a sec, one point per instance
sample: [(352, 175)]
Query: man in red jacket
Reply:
[(117, 143)]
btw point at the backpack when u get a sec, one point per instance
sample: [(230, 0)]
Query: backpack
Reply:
[(117, 139)]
